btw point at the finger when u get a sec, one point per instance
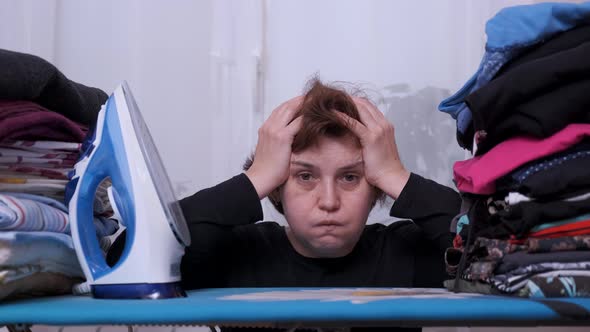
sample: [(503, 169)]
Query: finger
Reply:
[(289, 109), (295, 126), (285, 112), (375, 112), (358, 128), (379, 118), (365, 114)]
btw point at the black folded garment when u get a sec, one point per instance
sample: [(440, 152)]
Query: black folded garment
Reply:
[(536, 94), (558, 176), (519, 219), (536, 99), (28, 77)]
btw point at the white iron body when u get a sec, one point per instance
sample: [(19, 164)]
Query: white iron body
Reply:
[(153, 247)]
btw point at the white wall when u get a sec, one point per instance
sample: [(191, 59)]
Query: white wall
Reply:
[(161, 48), (28, 26)]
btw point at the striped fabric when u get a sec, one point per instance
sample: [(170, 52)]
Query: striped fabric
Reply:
[(25, 212)]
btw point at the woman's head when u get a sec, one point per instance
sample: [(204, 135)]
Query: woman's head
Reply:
[(326, 198), (318, 110)]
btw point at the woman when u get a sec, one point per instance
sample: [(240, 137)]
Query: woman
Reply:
[(324, 159)]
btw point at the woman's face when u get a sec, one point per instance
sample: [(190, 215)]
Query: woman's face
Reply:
[(326, 199)]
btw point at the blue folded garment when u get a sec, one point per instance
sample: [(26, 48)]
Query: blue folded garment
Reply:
[(509, 33), (48, 251)]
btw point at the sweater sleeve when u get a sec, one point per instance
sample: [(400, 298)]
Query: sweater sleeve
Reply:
[(431, 206), (211, 215), (232, 202)]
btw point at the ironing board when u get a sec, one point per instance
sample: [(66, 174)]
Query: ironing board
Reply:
[(311, 307)]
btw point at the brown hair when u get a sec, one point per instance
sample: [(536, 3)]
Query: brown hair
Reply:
[(319, 119)]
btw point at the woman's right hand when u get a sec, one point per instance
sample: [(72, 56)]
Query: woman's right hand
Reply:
[(272, 157)]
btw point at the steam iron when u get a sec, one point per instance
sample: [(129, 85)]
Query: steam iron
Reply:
[(121, 149)]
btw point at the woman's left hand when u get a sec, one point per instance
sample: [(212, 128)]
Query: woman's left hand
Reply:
[(383, 167)]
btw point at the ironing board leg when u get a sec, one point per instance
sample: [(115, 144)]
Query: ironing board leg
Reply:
[(19, 327)]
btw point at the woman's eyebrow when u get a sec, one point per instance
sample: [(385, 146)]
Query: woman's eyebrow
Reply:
[(303, 164), (352, 166)]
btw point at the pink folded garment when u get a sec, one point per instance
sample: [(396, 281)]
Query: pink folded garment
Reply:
[(478, 175)]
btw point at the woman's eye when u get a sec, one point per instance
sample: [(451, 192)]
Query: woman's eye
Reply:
[(305, 176), (350, 178)]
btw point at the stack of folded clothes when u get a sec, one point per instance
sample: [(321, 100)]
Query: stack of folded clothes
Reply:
[(524, 228), (44, 119)]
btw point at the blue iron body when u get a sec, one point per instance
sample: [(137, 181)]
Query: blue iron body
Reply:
[(121, 149)]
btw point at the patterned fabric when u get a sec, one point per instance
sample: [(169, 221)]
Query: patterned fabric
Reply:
[(581, 242), (482, 271), (37, 167), (511, 283), (496, 205), (465, 286), (42, 146), (528, 170), (486, 254), (102, 204), (12, 171), (47, 187), (55, 162), (9, 152), (540, 287), (514, 261), (485, 271), (496, 249), (483, 257)]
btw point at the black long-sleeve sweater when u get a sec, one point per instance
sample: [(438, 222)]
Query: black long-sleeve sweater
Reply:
[(229, 249)]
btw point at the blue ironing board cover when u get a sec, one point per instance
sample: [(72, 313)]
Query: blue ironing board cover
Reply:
[(305, 306)]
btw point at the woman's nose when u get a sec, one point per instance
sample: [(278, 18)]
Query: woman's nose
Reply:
[(329, 199)]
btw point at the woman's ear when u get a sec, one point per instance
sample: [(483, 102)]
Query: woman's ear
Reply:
[(377, 196), (275, 199)]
